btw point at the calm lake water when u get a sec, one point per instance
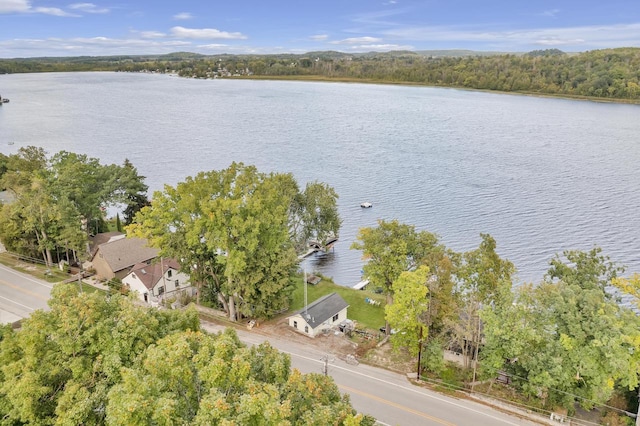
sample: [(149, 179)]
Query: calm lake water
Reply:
[(539, 175)]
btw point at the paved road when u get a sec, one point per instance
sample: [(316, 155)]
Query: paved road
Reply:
[(387, 396), (21, 294)]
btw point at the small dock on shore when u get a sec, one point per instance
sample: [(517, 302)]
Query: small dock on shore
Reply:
[(316, 246), (361, 285), (307, 253)]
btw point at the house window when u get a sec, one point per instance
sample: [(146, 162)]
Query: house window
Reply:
[(295, 324), (177, 283), (169, 273), (306, 329), (160, 290), (335, 317)]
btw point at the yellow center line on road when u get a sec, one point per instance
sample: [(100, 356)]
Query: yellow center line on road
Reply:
[(25, 291), (393, 404)]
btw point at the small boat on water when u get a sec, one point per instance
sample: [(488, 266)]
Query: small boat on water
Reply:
[(3, 100), (366, 205)]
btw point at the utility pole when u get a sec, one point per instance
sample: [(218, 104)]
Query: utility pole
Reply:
[(419, 352), (638, 413), (326, 359)]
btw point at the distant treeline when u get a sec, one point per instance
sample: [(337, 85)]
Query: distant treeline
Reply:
[(611, 73)]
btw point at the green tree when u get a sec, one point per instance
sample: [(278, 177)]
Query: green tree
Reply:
[(567, 338), (60, 366), (58, 199), (234, 230), (248, 220), (390, 249), (92, 187), (409, 310), (485, 281), (630, 286), (315, 215)]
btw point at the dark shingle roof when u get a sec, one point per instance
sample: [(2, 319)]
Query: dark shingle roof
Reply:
[(102, 238), (126, 252), (323, 309)]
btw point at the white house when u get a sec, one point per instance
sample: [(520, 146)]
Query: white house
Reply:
[(324, 313), (158, 281)]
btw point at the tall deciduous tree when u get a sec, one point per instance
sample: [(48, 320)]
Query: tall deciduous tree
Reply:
[(485, 280), (567, 338), (408, 313), (314, 215), (55, 199), (390, 249), (233, 231), (101, 359), (59, 367)]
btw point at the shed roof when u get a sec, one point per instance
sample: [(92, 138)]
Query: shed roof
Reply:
[(322, 309), (126, 252)]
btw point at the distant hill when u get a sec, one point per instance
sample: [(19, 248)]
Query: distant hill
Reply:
[(461, 53)]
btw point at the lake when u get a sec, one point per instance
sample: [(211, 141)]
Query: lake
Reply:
[(540, 175)]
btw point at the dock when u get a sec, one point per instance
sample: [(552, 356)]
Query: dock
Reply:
[(307, 253), (361, 285)]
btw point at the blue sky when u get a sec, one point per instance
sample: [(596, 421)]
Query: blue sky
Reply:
[(32, 28)]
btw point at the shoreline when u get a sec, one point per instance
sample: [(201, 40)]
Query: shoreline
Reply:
[(319, 79)]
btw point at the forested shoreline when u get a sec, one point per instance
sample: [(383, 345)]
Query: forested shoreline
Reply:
[(608, 74)]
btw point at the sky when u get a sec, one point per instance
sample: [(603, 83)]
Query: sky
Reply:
[(36, 28)]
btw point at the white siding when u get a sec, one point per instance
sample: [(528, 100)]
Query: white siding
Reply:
[(313, 332), (174, 282)]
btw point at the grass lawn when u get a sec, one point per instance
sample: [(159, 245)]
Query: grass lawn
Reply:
[(52, 275), (366, 315)]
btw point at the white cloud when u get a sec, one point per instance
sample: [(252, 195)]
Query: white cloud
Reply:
[(584, 37), (92, 46), (553, 13), (319, 37), (24, 6), (552, 41), (205, 34), (357, 40), (183, 16), (14, 6), (52, 11), (151, 34), (214, 46), (88, 8), (380, 47)]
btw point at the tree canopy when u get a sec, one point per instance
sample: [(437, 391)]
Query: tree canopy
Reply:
[(236, 231), (391, 249), (102, 359), (60, 200), (567, 338)]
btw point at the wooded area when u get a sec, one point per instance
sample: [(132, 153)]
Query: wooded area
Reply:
[(565, 341), (101, 359), (602, 74), (59, 201)]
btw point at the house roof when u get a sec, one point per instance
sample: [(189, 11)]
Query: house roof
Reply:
[(149, 275), (126, 252), (104, 237), (323, 309)]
